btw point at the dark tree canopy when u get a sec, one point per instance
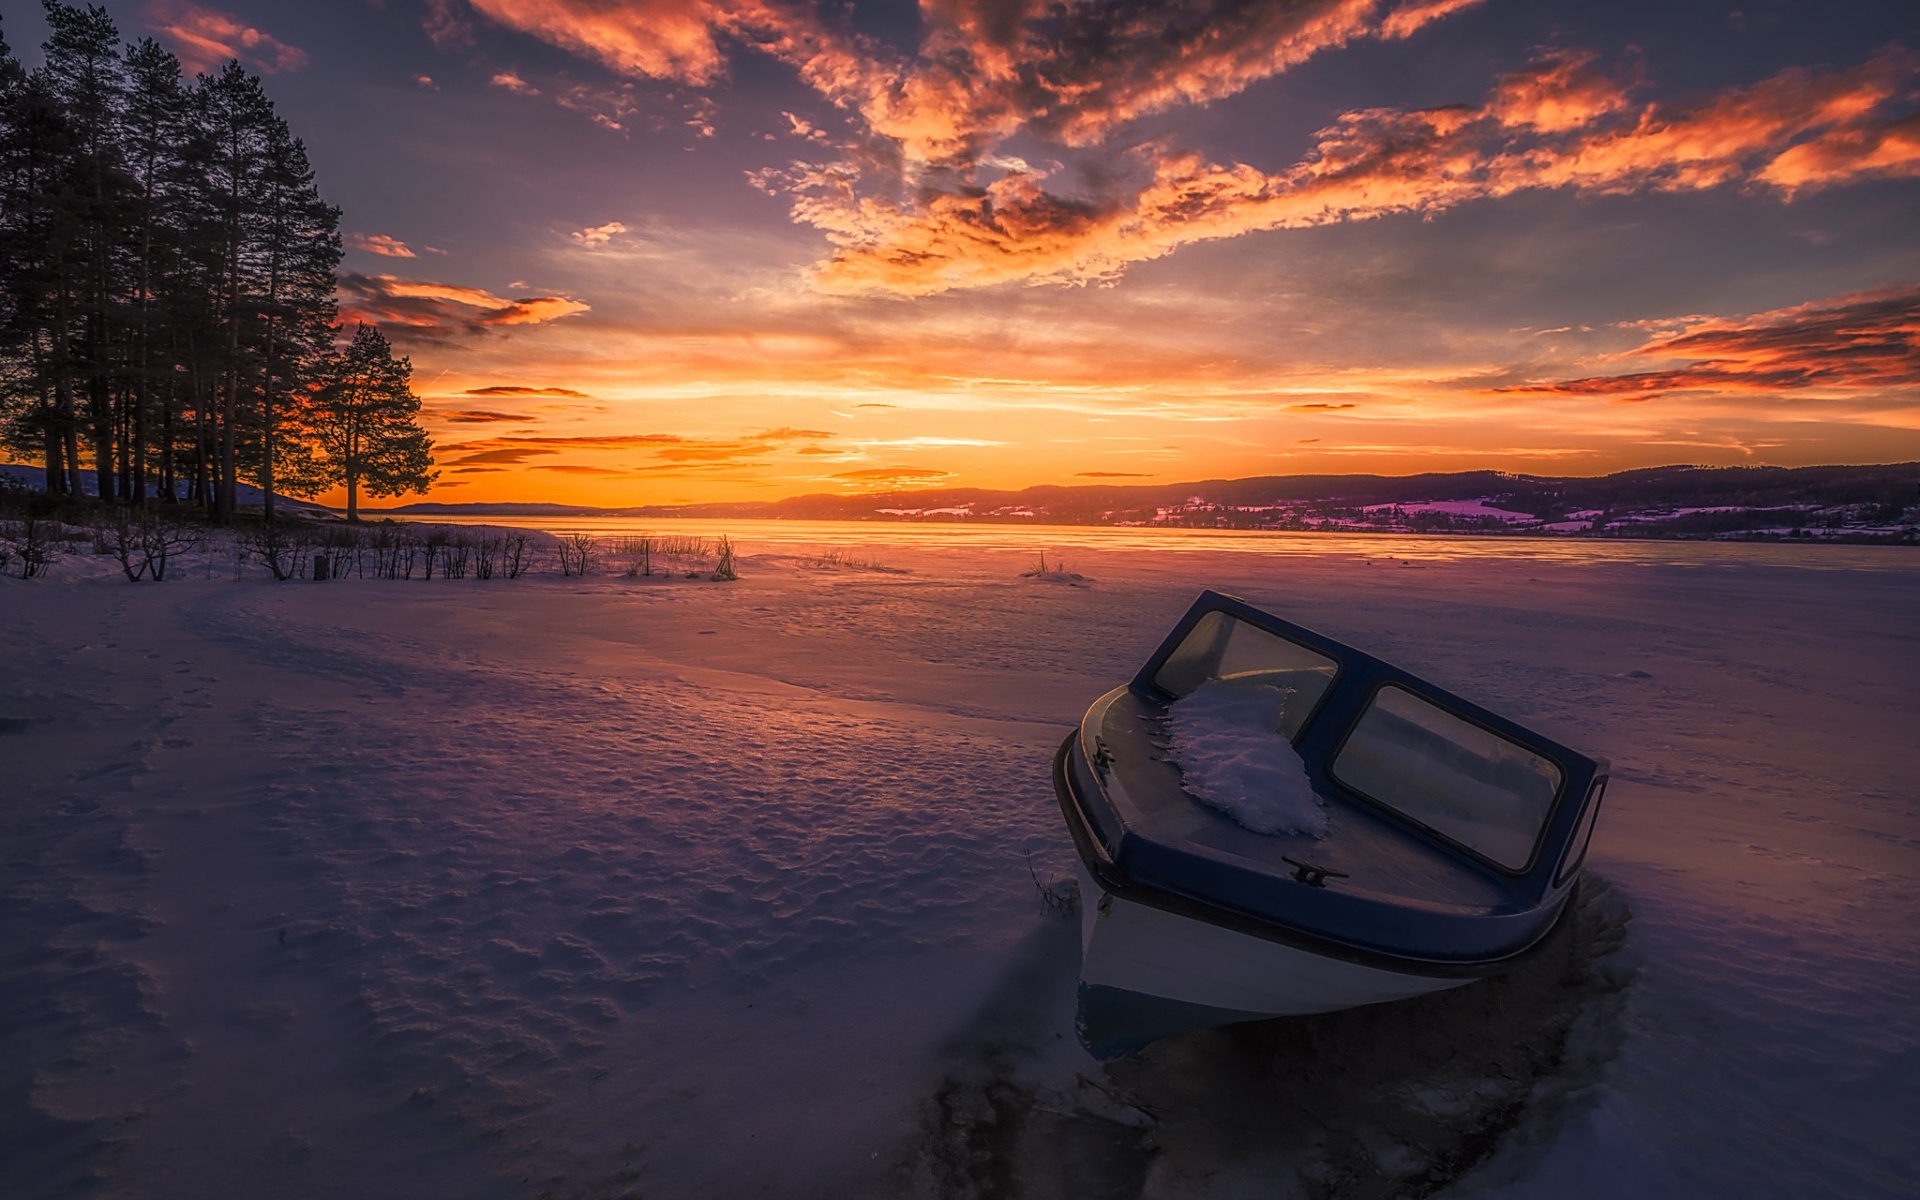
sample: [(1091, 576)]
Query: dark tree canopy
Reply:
[(363, 425), (167, 283)]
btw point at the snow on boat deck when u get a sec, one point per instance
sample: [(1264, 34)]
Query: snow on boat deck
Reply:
[(683, 889)]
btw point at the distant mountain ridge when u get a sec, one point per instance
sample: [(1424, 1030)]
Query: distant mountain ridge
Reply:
[(1675, 501)]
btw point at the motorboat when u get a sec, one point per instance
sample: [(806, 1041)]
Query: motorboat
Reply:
[(1272, 823)]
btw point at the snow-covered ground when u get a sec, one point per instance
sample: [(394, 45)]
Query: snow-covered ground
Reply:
[(672, 888)]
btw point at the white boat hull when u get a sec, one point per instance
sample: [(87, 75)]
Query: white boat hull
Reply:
[(1146, 972)]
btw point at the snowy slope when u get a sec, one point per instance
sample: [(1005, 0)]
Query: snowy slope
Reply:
[(627, 887)]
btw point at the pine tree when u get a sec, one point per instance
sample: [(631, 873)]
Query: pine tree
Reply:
[(166, 271), (83, 73), (300, 243), (236, 116), (364, 423), (156, 141)]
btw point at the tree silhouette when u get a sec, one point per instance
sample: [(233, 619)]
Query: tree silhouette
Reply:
[(362, 426)]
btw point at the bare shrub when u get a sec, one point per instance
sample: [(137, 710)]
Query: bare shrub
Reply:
[(456, 557), (279, 546), (167, 539), (340, 546), (143, 542), (517, 555), (838, 558), (635, 555), (579, 554), (723, 571), (435, 544), (406, 548), (1059, 572), (27, 541), (683, 553), (486, 552)]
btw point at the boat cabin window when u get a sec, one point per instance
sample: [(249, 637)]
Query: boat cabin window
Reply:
[(1225, 648), (1459, 780), (1577, 848)]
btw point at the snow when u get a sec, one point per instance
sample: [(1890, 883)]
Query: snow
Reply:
[(1223, 738), (1456, 508), (675, 888)]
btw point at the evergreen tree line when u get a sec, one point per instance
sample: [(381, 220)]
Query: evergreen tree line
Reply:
[(167, 311)]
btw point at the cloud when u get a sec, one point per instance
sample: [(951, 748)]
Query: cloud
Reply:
[(446, 25), (505, 454), (598, 235), (1559, 124), (511, 81), (204, 38), (435, 309), (578, 469), (1069, 72), (478, 416), (662, 448), (1864, 342), (1317, 407), (660, 39), (381, 244), (1112, 475), (516, 390), (893, 475), (928, 199)]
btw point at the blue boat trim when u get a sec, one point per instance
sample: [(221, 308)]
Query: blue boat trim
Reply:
[(1113, 878)]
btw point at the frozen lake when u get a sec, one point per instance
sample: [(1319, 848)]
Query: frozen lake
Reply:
[(641, 887)]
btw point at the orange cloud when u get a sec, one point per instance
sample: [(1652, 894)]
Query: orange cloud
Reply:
[(1069, 71), (511, 81), (662, 448), (204, 38), (511, 454), (929, 202), (515, 390), (430, 309), (478, 417), (598, 235), (1558, 124), (381, 244), (1865, 342), (661, 39), (894, 475)]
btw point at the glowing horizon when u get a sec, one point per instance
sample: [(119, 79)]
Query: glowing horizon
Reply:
[(656, 252)]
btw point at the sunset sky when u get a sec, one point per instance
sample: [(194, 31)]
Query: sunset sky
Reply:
[(688, 250)]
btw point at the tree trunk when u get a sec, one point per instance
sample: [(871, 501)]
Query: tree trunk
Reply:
[(266, 417), (63, 393), (56, 469), (169, 486), (100, 410)]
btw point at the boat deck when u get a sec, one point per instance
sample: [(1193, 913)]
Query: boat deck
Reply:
[(1380, 860)]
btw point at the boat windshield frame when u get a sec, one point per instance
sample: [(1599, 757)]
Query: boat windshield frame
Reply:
[(1357, 678)]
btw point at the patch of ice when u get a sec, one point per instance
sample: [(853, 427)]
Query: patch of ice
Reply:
[(1230, 755)]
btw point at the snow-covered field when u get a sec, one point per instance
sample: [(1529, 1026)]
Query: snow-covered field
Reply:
[(633, 887)]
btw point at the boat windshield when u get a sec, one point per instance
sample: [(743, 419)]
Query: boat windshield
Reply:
[(1457, 778), (1225, 648)]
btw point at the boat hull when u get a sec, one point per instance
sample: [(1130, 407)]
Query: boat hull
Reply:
[(1146, 973)]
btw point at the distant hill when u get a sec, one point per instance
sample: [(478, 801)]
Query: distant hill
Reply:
[(1877, 502)]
